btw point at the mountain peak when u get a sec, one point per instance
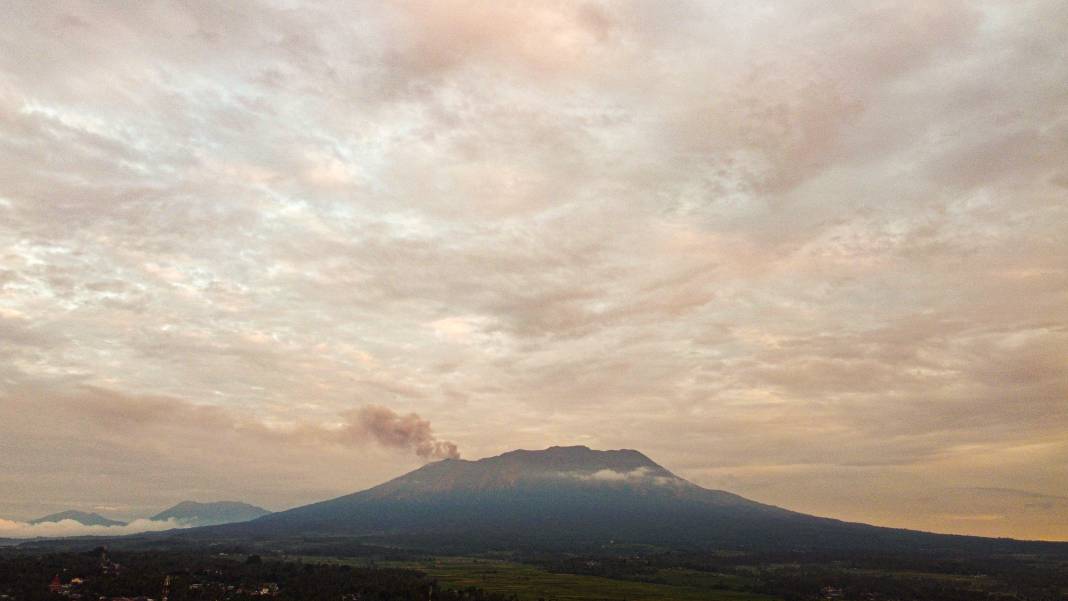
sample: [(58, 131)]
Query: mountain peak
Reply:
[(568, 497), (561, 490), (562, 465), (82, 517), (218, 512), (578, 457)]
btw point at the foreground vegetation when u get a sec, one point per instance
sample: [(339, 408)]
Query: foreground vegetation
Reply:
[(95, 575), (348, 570)]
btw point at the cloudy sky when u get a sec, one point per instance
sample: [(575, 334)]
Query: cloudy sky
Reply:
[(814, 253)]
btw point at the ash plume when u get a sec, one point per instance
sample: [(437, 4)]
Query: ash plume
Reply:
[(391, 429)]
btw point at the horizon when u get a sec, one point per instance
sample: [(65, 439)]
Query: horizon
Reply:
[(810, 254)]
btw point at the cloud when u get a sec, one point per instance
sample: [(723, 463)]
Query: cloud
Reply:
[(170, 448), (638, 475), (982, 517), (357, 428), (545, 38), (66, 528), (781, 248)]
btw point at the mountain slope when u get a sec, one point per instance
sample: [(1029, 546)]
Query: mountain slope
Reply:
[(82, 517), (571, 497), (207, 514)]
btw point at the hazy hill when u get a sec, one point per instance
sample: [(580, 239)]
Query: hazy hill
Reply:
[(207, 514), (570, 497), (82, 517)]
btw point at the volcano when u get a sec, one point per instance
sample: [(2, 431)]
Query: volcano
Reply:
[(575, 497)]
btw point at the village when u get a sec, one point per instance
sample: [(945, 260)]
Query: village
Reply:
[(101, 574), (208, 584)]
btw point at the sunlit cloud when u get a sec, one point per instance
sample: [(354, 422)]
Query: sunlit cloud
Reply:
[(810, 253)]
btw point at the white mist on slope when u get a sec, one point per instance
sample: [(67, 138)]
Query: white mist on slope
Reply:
[(64, 528)]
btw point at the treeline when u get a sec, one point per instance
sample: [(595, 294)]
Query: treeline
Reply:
[(202, 577)]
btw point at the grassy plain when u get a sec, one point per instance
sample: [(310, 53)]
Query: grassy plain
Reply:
[(531, 583)]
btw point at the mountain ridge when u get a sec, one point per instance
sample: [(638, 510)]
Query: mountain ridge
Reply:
[(210, 513), (84, 518)]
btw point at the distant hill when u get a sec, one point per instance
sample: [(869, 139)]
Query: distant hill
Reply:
[(191, 513), (82, 517), (575, 497)]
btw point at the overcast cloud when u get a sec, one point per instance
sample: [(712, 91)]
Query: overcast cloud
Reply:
[(813, 253)]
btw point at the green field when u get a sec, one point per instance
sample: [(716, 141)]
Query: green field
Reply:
[(531, 583)]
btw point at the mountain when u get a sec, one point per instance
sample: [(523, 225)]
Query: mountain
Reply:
[(207, 514), (82, 517), (573, 497)]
